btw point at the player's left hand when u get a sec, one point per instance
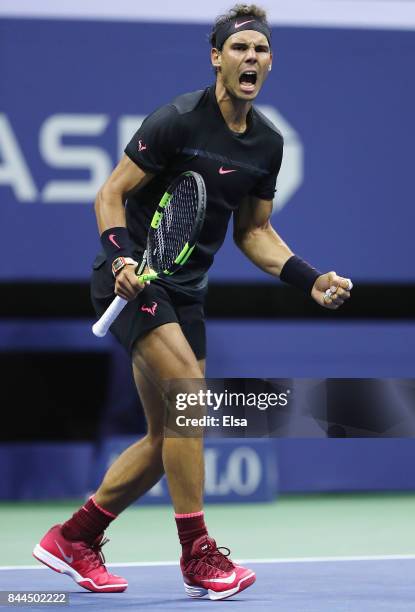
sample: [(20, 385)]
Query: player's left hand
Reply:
[(331, 291)]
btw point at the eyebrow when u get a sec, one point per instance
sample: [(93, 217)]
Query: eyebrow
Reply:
[(246, 44)]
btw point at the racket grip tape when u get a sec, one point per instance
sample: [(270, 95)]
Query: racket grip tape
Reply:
[(103, 324), (143, 278)]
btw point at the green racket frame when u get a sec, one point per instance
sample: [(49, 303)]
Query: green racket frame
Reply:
[(188, 248)]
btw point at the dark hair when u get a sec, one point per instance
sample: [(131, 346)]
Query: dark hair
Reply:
[(239, 10)]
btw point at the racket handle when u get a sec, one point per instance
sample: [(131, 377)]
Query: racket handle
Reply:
[(101, 327)]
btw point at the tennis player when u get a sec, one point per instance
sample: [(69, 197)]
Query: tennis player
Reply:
[(219, 134)]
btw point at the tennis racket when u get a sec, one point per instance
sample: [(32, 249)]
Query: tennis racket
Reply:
[(172, 236)]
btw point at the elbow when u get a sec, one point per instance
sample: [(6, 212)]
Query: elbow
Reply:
[(107, 195), (241, 237)]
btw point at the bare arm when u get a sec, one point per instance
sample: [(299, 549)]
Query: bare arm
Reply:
[(126, 177), (257, 239)]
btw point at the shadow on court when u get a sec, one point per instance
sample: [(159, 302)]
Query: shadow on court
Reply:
[(318, 586)]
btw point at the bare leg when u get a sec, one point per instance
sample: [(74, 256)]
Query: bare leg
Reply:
[(140, 466), (165, 354)]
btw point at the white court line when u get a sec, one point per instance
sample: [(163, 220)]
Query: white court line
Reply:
[(280, 560)]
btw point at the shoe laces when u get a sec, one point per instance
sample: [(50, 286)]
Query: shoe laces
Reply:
[(94, 555), (211, 562)]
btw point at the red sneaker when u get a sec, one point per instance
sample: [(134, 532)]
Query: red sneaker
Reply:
[(210, 572), (81, 561)]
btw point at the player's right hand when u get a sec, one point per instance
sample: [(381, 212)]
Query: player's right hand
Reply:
[(127, 283)]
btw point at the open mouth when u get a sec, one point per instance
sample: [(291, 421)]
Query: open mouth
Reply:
[(248, 80)]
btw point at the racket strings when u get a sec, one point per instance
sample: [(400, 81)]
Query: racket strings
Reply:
[(176, 226)]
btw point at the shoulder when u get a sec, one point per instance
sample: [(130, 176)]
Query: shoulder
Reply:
[(270, 130), (188, 102), (174, 112)]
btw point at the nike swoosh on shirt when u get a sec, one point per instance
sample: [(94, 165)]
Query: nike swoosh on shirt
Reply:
[(239, 25), (227, 580), (68, 558), (223, 171), (111, 238)]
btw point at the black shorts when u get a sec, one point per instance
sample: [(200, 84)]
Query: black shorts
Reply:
[(156, 305)]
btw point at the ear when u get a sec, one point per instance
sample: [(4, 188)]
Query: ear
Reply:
[(270, 66), (215, 58)]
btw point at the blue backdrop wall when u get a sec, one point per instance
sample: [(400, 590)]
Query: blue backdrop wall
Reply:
[(71, 95), (74, 92)]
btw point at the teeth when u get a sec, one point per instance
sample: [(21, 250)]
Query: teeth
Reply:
[(252, 77)]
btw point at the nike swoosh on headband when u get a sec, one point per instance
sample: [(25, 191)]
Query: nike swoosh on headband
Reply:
[(239, 25)]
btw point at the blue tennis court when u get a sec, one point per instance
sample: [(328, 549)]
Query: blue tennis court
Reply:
[(298, 585)]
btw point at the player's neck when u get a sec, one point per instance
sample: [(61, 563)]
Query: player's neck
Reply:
[(234, 111)]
